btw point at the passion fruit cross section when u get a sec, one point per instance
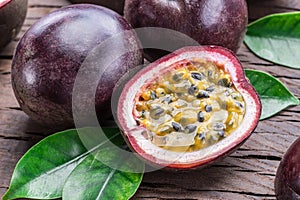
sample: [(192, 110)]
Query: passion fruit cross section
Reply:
[(190, 106)]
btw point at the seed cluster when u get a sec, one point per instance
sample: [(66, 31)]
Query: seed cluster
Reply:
[(191, 106)]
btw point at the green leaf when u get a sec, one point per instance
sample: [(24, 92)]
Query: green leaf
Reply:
[(276, 38), (42, 171), (92, 179), (273, 94)]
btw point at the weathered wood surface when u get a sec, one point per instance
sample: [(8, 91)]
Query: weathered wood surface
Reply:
[(246, 174)]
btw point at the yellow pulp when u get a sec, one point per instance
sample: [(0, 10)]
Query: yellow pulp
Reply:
[(189, 107)]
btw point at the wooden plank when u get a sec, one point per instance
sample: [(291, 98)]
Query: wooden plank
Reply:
[(248, 173), (258, 9), (212, 179), (149, 193)]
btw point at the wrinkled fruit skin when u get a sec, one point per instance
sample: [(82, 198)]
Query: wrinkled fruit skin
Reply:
[(116, 5), (209, 22), (12, 16), (287, 182), (51, 52), (135, 134)]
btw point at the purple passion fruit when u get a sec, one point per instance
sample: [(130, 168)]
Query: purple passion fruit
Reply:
[(287, 182), (188, 108), (116, 5), (49, 55), (209, 22), (12, 16)]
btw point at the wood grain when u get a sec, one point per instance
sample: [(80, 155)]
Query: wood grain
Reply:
[(246, 174), (261, 8)]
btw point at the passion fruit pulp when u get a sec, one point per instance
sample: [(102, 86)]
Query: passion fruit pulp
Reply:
[(194, 99), (12, 16), (50, 54), (287, 181), (188, 108)]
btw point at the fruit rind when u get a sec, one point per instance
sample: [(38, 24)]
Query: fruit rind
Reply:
[(4, 3), (12, 16), (287, 177), (157, 156), (209, 22), (49, 55)]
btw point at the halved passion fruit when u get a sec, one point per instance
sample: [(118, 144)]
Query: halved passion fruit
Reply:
[(188, 108)]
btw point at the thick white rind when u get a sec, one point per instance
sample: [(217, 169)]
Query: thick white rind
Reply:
[(160, 156)]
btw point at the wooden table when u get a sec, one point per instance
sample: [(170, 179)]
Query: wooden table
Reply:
[(246, 174)]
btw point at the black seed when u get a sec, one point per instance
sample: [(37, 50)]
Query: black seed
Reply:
[(177, 77), (210, 89), (208, 108), (223, 105), (190, 128), (197, 76), (209, 73), (227, 93), (202, 94), (192, 89), (176, 126), (231, 123), (219, 126), (224, 82), (239, 104), (152, 95), (235, 96), (202, 136), (221, 133), (159, 111), (167, 100), (200, 116)]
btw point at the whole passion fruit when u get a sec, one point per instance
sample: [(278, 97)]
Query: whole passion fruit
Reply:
[(287, 181), (188, 108), (116, 5), (12, 16), (209, 22), (49, 55)]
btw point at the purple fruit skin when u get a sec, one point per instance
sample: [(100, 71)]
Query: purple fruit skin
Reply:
[(287, 182), (116, 5), (12, 17), (209, 22), (49, 55)]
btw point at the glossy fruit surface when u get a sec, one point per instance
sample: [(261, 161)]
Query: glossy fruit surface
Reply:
[(188, 108), (116, 5), (51, 52), (12, 16), (209, 22), (287, 182)]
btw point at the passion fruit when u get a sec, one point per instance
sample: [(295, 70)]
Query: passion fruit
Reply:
[(50, 53), (12, 16), (188, 108), (116, 5), (209, 22), (287, 181)]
